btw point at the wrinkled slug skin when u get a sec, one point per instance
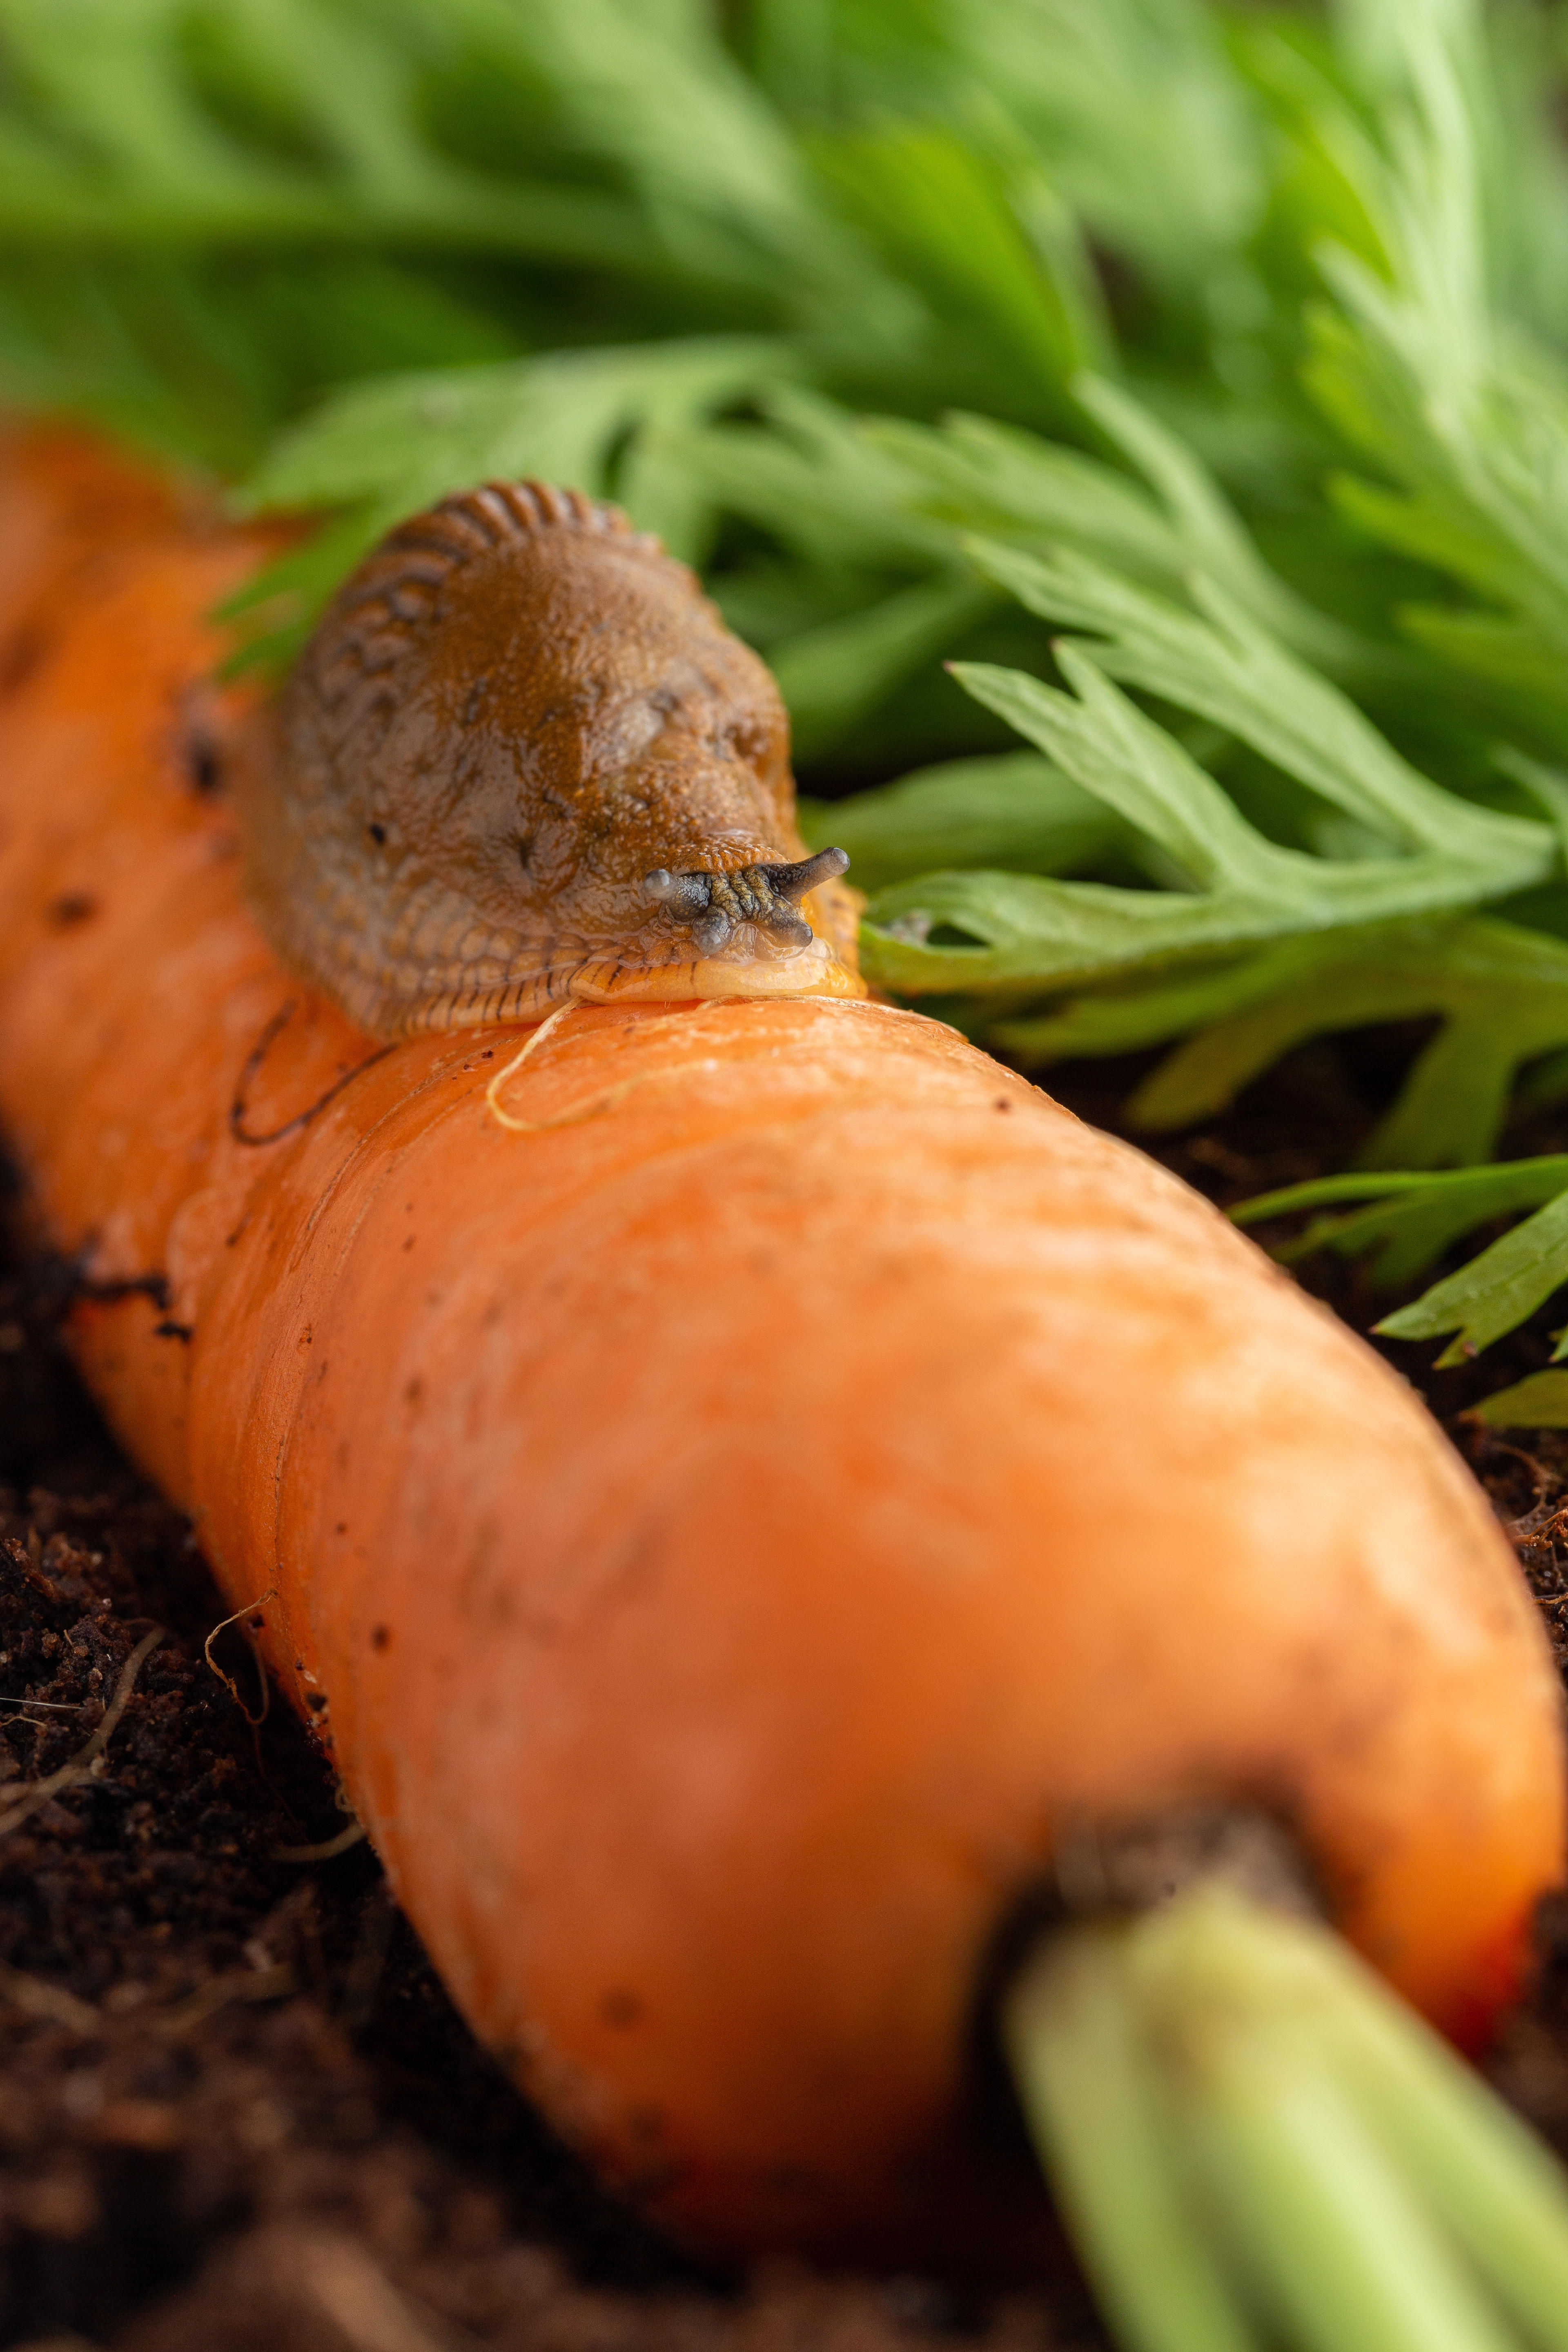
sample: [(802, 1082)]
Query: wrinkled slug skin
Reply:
[(733, 1527)]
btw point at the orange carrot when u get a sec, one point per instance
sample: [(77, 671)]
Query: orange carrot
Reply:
[(730, 1524)]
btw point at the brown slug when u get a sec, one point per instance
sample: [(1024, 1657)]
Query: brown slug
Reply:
[(521, 763)]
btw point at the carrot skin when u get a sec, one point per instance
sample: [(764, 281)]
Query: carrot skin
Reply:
[(735, 1527)]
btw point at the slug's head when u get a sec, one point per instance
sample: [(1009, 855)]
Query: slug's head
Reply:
[(523, 760), (715, 904)]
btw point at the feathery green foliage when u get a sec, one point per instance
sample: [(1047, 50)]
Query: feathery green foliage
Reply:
[(381, 449), (1228, 342), (1462, 406), (1414, 1219), (1230, 885)]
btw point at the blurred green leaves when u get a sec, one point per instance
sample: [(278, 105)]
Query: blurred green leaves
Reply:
[(1412, 1220), (377, 450), (1228, 342)]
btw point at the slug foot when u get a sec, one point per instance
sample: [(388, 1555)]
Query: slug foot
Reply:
[(716, 905)]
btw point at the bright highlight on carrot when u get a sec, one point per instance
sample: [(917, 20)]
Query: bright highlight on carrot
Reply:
[(691, 1531)]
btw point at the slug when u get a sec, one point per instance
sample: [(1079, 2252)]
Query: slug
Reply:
[(521, 763)]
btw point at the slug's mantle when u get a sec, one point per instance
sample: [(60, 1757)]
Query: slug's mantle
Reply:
[(516, 720)]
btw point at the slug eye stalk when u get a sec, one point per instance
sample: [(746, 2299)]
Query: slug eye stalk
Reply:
[(1256, 2145), (715, 904)]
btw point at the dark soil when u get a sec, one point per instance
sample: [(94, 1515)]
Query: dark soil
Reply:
[(236, 2111)]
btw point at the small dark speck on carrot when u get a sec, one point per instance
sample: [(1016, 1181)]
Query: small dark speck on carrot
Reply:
[(73, 908)]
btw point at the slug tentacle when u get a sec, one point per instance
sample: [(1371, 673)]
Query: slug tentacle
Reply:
[(523, 762), (715, 904), (806, 873)]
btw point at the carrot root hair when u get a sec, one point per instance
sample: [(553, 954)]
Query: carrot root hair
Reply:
[(591, 1106), (609, 1098), (81, 1765), (255, 1721), (530, 1045)]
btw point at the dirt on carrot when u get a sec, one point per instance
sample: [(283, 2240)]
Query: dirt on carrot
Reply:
[(240, 2112)]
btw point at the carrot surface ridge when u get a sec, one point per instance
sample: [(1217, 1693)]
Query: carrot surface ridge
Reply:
[(728, 1529)]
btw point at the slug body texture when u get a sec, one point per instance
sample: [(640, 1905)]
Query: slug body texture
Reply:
[(522, 762)]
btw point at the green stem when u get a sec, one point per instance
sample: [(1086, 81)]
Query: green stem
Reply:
[(1076, 2043), (1484, 2172), (1253, 2140), (1333, 2234)]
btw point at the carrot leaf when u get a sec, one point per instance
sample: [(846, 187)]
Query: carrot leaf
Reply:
[(1418, 1216), (1226, 885), (399, 443), (1495, 1291), (1459, 401), (1017, 810), (1500, 992)]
